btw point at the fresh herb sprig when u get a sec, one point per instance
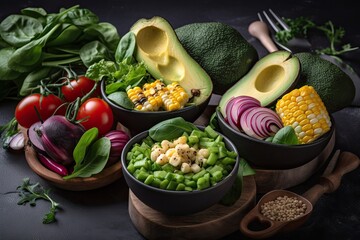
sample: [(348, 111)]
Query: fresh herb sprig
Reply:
[(301, 25), (30, 192), (334, 35)]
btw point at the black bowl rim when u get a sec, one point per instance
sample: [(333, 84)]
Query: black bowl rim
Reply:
[(323, 138), (185, 109), (145, 133)]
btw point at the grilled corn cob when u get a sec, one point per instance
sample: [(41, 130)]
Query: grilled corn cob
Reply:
[(156, 95), (304, 110)]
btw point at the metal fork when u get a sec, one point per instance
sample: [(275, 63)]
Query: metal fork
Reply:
[(260, 30)]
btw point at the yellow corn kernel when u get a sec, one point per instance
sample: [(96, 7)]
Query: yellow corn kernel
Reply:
[(309, 119), (156, 95)]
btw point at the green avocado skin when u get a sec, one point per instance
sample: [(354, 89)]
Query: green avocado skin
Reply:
[(335, 87), (220, 50)]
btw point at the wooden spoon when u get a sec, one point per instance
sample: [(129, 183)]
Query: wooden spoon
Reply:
[(327, 184)]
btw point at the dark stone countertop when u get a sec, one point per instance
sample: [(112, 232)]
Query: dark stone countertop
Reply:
[(103, 213)]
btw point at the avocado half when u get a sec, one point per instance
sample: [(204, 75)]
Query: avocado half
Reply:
[(335, 87), (270, 78), (220, 49), (165, 58)]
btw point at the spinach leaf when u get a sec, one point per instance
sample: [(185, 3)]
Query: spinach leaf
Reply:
[(121, 99), (235, 191), (28, 56), (94, 161), (170, 129), (82, 17), (6, 73), (85, 141), (19, 30), (33, 79), (34, 12), (69, 34), (105, 32), (286, 135), (126, 47), (93, 52)]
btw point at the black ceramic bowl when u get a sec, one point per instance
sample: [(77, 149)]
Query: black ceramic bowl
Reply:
[(177, 202), (138, 121), (265, 155)]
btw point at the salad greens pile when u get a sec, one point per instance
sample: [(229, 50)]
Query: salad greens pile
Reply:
[(35, 45)]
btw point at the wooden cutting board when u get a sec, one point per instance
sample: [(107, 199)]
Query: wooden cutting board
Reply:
[(267, 180), (212, 223)]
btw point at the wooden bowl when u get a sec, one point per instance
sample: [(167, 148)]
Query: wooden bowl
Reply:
[(105, 177)]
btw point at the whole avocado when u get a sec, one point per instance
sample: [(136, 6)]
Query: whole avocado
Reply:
[(220, 50), (335, 87)]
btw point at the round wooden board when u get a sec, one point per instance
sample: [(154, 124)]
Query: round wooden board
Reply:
[(105, 177), (267, 180), (212, 223)]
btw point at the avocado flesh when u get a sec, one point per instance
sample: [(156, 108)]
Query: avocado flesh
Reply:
[(335, 88), (220, 49), (165, 58), (270, 78)]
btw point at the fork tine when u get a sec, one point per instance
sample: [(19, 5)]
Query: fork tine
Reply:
[(260, 18), (281, 22), (273, 25)]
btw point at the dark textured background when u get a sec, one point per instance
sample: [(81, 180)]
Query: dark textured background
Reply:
[(102, 213)]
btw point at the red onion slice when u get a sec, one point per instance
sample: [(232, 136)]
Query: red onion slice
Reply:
[(260, 122)]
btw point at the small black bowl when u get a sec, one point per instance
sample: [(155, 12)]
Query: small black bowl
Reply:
[(177, 202), (138, 121), (266, 155)]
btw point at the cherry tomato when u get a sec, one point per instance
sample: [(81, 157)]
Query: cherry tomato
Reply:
[(25, 112), (95, 112), (78, 88)]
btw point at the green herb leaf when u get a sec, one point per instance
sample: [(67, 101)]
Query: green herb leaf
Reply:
[(171, 129), (247, 169), (85, 141), (121, 99), (94, 161), (101, 69), (286, 135), (126, 47), (29, 193)]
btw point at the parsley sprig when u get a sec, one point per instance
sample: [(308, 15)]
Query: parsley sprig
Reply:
[(29, 193), (300, 26)]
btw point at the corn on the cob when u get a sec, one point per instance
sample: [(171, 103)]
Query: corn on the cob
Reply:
[(304, 110), (156, 95)]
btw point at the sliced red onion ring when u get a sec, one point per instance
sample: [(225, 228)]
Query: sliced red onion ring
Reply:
[(260, 122)]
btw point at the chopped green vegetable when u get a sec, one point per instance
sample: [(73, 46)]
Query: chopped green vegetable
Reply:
[(31, 192), (205, 165)]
